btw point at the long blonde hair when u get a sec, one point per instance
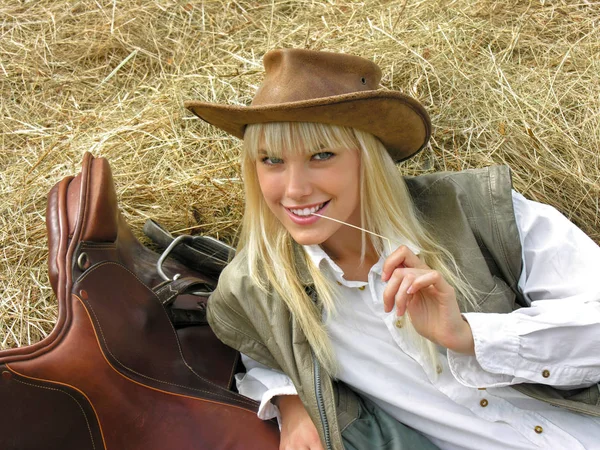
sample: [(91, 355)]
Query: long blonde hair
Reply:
[(387, 209)]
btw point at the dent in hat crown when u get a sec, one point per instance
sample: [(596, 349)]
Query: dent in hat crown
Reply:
[(293, 75)]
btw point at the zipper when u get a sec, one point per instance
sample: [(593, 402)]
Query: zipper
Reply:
[(312, 293), (320, 403)]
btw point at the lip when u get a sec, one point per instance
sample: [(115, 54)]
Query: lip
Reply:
[(304, 206), (305, 220)]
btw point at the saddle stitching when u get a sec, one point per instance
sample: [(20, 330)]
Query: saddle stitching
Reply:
[(129, 368), (96, 245), (236, 395), (240, 397), (164, 289), (74, 399), (154, 379)]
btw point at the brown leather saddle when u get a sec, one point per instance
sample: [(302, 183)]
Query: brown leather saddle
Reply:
[(115, 373)]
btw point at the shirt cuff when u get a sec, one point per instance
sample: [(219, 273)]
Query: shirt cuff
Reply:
[(496, 346), (267, 410), (262, 384)]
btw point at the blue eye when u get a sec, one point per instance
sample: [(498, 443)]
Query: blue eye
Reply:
[(323, 156), (271, 160)]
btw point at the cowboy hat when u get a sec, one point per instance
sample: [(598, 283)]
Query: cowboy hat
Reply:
[(333, 88)]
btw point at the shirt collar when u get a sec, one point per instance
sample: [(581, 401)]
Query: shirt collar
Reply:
[(317, 255)]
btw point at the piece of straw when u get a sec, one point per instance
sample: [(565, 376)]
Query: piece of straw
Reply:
[(121, 64), (358, 228)]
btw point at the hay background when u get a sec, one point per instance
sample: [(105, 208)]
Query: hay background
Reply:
[(511, 82)]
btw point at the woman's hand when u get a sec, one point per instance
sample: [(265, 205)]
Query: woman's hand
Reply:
[(429, 300), (297, 429)]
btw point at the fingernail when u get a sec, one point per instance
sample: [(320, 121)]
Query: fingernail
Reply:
[(410, 290)]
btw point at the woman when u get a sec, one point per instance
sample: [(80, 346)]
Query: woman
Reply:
[(337, 250)]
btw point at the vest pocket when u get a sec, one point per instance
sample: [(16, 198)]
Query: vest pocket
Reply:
[(500, 299)]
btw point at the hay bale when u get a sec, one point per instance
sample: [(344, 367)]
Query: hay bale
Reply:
[(505, 83)]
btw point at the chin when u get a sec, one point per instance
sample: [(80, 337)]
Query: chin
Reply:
[(307, 240)]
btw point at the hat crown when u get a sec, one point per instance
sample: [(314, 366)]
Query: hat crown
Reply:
[(293, 75), (329, 88)]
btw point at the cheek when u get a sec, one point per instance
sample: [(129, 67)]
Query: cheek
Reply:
[(353, 196), (268, 185), (351, 185)]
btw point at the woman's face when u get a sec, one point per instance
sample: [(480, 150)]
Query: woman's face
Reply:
[(325, 181)]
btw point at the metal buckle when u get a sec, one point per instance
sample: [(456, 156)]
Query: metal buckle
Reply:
[(178, 240)]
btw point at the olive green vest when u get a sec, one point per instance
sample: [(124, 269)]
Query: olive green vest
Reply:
[(471, 214)]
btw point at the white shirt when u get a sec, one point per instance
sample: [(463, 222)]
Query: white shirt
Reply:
[(468, 406)]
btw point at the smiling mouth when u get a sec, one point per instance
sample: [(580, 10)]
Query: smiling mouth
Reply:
[(305, 212)]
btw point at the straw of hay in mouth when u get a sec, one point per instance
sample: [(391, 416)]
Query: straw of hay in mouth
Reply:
[(389, 243)]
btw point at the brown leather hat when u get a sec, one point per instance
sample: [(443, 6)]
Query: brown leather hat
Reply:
[(333, 88)]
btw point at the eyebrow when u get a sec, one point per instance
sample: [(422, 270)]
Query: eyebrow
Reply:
[(319, 148), (322, 146)]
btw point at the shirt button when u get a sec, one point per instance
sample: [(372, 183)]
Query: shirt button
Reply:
[(483, 402), (399, 322), (339, 284), (546, 373), (438, 369), (362, 288), (538, 429)]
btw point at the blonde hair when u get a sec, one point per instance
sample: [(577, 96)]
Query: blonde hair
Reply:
[(387, 209)]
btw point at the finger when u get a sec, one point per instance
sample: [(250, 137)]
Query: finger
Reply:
[(427, 279), (389, 293), (393, 286), (402, 297), (401, 257)]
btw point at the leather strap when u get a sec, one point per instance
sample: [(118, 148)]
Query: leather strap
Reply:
[(168, 291), (202, 254), (181, 318)]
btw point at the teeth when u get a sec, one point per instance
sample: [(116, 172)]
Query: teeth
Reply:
[(307, 211)]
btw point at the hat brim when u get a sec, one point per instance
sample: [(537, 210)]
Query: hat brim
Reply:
[(399, 121)]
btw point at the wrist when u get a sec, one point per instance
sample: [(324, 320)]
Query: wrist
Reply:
[(468, 343), (287, 404), (462, 340)]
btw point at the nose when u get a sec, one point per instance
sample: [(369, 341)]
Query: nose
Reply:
[(298, 184)]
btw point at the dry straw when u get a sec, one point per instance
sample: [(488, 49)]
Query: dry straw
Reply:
[(506, 82), (388, 242)]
